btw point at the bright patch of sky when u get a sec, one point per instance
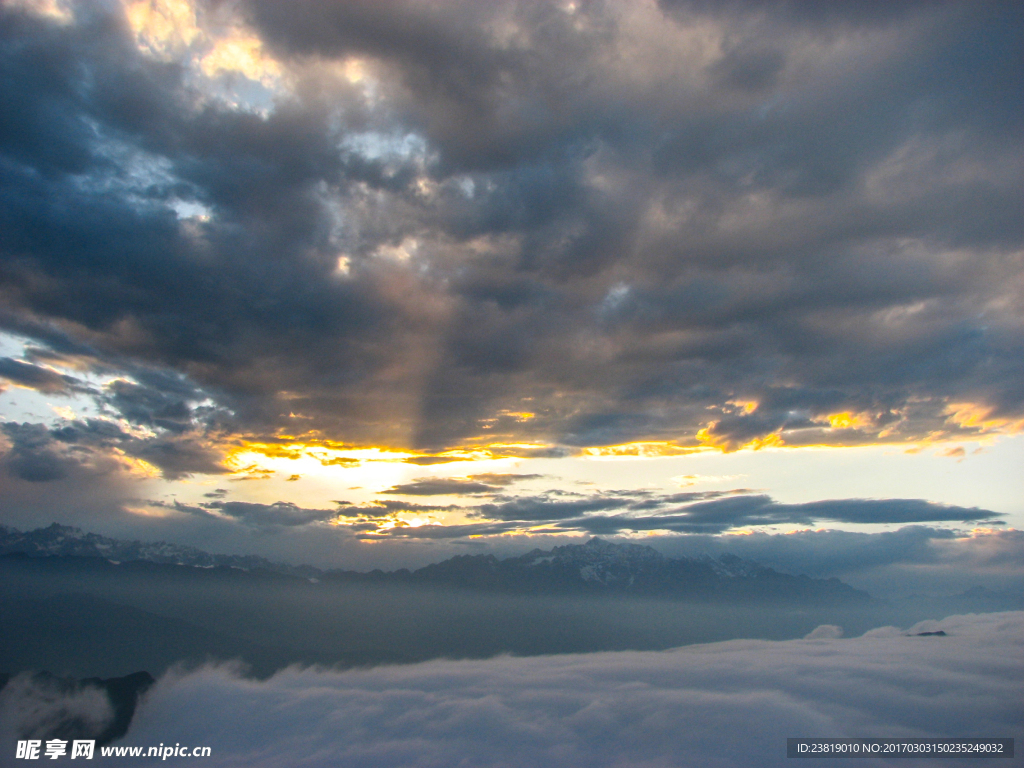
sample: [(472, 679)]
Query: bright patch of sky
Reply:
[(140, 178), (985, 477), (189, 209), (374, 145), (969, 474), (22, 404)]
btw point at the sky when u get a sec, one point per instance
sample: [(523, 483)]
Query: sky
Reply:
[(373, 284)]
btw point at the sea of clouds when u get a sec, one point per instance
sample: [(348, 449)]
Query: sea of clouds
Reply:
[(721, 704)]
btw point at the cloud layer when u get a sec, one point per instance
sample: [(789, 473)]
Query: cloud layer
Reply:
[(571, 225), (725, 704)]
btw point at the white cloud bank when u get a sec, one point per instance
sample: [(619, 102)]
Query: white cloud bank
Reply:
[(722, 704)]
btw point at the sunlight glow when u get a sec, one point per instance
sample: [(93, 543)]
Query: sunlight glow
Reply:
[(976, 416), (243, 55), (163, 27), (846, 420), (640, 450)]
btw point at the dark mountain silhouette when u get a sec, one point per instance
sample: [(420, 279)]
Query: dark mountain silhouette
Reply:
[(65, 540), (602, 567), (597, 567)]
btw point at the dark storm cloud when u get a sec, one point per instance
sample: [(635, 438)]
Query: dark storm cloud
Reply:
[(179, 457), (540, 226), (441, 486), (279, 513), (253, 515), (40, 453), (441, 532), (134, 276), (160, 402), (34, 455), (713, 512), (655, 501), (36, 377), (892, 511), (720, 515), (803, 11), (175, 455), (437, 486), (378, 518), (543, 508)]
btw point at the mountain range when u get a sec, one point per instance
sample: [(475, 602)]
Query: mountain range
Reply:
[(67, 541), (602, 567), (597, 567)]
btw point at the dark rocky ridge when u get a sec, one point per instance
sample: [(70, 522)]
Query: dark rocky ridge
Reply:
[(51, 707)]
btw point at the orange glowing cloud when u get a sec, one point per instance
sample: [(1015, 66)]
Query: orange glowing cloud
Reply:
[(978, 418), (640, 450)]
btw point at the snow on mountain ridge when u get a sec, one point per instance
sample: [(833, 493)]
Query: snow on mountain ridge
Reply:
[(596, 565), (62, 540), (604, 561)]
